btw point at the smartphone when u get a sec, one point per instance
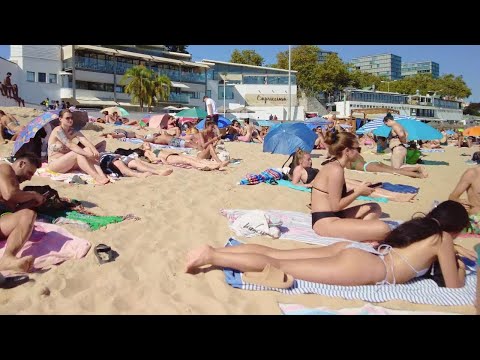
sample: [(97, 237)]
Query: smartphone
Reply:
[(375, 185)]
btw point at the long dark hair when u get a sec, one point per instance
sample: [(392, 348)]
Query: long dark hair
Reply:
[(449, 216)]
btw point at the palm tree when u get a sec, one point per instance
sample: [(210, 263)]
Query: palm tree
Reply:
[(161, 88), (139, 84)]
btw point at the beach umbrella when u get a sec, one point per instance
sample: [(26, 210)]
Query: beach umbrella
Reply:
[(473, 131), (222, 123), (286, 138), (370, 126), (416, 130), (32, 128), (158, 121), (119, 110), (193, 113), (450, 132)]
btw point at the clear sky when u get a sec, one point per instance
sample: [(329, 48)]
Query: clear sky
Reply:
[(456, 59)]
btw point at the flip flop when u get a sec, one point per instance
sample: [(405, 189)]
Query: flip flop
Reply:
[(269, 277), (105, 254), (12, 281), (78, 180), (273, 182)]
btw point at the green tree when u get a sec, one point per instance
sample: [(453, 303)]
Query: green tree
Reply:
[(161, 85), (333, 74), (305, 62), (248, 57), (178, 48), (360, 79), (452, 86), (472, 109)]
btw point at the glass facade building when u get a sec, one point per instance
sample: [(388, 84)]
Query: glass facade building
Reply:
[(385, 65), (423, 67)]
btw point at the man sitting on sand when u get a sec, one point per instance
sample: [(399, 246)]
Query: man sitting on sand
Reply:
[(9, 127), (469, 183), (16, 226), (206, 142)]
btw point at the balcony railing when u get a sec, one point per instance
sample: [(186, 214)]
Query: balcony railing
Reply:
[(179, 98)]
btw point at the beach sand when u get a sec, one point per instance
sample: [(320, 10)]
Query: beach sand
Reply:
[(180, 212)]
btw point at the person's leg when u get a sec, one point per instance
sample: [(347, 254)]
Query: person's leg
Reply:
[(349, 267), (369, 211), (352, 229), (403, 170), (92, 169), (143, 166), (126, 171), (398, 156), (16, 228), (305, 253), (15, 90), (64, 163)]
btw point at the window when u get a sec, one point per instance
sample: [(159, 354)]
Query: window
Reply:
[(42, 77), (31, 76), (229, 95), (209, 93), (52, 78)]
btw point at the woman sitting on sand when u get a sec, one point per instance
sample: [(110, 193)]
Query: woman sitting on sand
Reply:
[(173, 158), (330, 198), (65, 155), (358, 163), (302, 174), (406, 253), (320, 141)]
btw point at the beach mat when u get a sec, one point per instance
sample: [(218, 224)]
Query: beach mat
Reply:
[(51, 245), (432, 150), (417, 291), (367, 309), (289, 185), (295, 225)]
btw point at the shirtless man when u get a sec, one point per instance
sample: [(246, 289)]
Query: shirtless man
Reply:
[(398, 140), (206, 141), (16, 227), (9, 127), (470, 183)]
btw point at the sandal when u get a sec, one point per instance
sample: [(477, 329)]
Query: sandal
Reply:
[(10, 282), (105, 254)]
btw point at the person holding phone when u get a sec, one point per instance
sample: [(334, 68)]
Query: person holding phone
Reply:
[(330, 198), (17, 216)]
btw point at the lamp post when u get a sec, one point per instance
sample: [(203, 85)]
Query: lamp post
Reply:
[(224, 96)]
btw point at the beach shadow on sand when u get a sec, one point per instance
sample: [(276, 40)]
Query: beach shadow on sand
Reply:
[(434, 162), (88, 204)]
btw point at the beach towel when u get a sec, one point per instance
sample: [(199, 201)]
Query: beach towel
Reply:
[(94, 222), (50, 245), (432, 150), (295, 225), (418, 290), (405, 189), (367, 309), (66, 178), (265, 176), (289, 184)]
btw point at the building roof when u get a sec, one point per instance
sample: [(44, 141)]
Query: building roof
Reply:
[(245, 65)]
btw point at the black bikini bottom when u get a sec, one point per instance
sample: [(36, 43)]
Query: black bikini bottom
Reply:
[(326, 214)]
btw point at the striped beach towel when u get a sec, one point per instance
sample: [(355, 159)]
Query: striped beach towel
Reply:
[(418, 291), (295, 225)]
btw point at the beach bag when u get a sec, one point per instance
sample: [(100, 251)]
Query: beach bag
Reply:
[(413, 155), (255, 223)]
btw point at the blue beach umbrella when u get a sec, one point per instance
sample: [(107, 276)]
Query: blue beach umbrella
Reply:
[(416, 130), (370, 126), (222, 123), (288, 137)]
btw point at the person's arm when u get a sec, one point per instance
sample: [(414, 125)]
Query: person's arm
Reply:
[(400, 131), (297, 176), (454, 276), (62, 137), (336, 179), (11, 193), (462, 186), (84, 141)]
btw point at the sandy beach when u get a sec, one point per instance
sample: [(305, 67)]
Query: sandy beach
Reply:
[(180, 212)]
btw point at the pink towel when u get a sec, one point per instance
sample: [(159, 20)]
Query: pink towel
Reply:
[(50, 244)]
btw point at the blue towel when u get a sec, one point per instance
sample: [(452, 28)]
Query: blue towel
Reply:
[(419, 291), (406, 189)]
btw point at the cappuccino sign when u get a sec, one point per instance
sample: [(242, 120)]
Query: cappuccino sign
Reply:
[(269, 99)]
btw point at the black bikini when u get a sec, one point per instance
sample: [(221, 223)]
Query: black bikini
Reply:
[(326, 214), (311, 173)]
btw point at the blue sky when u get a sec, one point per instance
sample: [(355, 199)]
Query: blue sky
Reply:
[(457, 59)]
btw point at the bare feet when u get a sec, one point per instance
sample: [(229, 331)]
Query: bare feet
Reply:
[(198, 257), (165, 172), (102, 181), (14, 264), (423, 172)]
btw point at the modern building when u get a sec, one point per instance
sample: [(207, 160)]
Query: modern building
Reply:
[(322, 55), (263, 90), (386, 65), (422, 67), (428, 108), (92, 74)]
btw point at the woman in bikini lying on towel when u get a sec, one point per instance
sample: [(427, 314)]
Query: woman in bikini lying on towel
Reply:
[(302, 174), (330, 198), (172, 158), (406, 253)]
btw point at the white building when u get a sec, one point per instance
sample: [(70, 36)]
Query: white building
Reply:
[(428, 108), (262, 89)]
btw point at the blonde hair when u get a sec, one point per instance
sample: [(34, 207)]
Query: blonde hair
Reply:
[(297, 158)]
